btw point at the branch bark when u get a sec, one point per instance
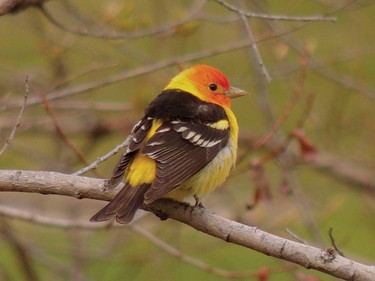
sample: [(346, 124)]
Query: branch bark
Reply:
[(324, 260), (14, 6)]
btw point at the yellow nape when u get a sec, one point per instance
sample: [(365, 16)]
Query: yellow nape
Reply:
[(184, 83), (141, 170)]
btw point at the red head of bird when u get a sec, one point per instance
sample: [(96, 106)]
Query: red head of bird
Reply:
[(206, 83)]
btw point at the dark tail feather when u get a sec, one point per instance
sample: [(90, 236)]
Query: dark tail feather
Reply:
[(124, 205)]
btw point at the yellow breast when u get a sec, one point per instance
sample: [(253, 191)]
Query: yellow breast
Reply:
[(216, 172)]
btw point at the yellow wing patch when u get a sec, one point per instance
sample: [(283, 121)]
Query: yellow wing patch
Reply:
[(143, 168), (156, 123), (220, 125)]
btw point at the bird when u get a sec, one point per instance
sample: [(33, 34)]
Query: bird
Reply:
[(185, 144)]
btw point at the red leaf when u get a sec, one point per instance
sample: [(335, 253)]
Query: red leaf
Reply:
[(306, 146), (263, 274)]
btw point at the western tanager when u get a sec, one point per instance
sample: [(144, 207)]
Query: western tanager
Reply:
[(186, 144)]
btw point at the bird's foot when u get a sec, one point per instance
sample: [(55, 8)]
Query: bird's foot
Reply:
[(198, 203)]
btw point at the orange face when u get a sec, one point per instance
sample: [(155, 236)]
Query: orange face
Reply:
[(212, 83), (205, 82)]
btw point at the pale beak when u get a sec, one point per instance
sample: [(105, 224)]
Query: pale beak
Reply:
[(235, 93)]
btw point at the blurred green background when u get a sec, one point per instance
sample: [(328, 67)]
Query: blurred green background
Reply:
[(306, 193)]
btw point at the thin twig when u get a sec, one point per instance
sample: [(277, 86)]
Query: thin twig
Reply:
[(274, 17), (69, 91), (89, 105), (333, 242), (319, 67), (83, 72), (291, 233), (66, 139), (342, 79), (309, 103), (116, 35), (286, 113), (50, 261), (198, 263), (254, 48), (23, 257), (77, 268), (18, 123), (103, 158), (218, 19)]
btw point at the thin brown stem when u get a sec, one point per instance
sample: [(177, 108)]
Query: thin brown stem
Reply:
[(18, 122)]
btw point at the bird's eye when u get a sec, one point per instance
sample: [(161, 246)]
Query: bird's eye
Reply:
[(213, 87)]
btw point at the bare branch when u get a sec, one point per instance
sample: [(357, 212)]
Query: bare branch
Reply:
[(95, 164), (20, 250), (288, 108), (142, 70), (18, 123), (14, 213), (89, 105), (14, 6), (66, 140), (274, 17), (254, 48), (199, 218), (346, 171), (334, 165), (69, 91), (291, 233), (330, 232), (195, 262), (319, 67), (116, 35)]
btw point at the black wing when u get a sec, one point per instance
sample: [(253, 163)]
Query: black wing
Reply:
[(136, 138), (181, 149), (129, 199)]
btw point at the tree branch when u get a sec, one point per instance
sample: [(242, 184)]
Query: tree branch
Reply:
[(18, 123), (96, 29), (20, 250), (274, 17), (324, 260), (14, 6)]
